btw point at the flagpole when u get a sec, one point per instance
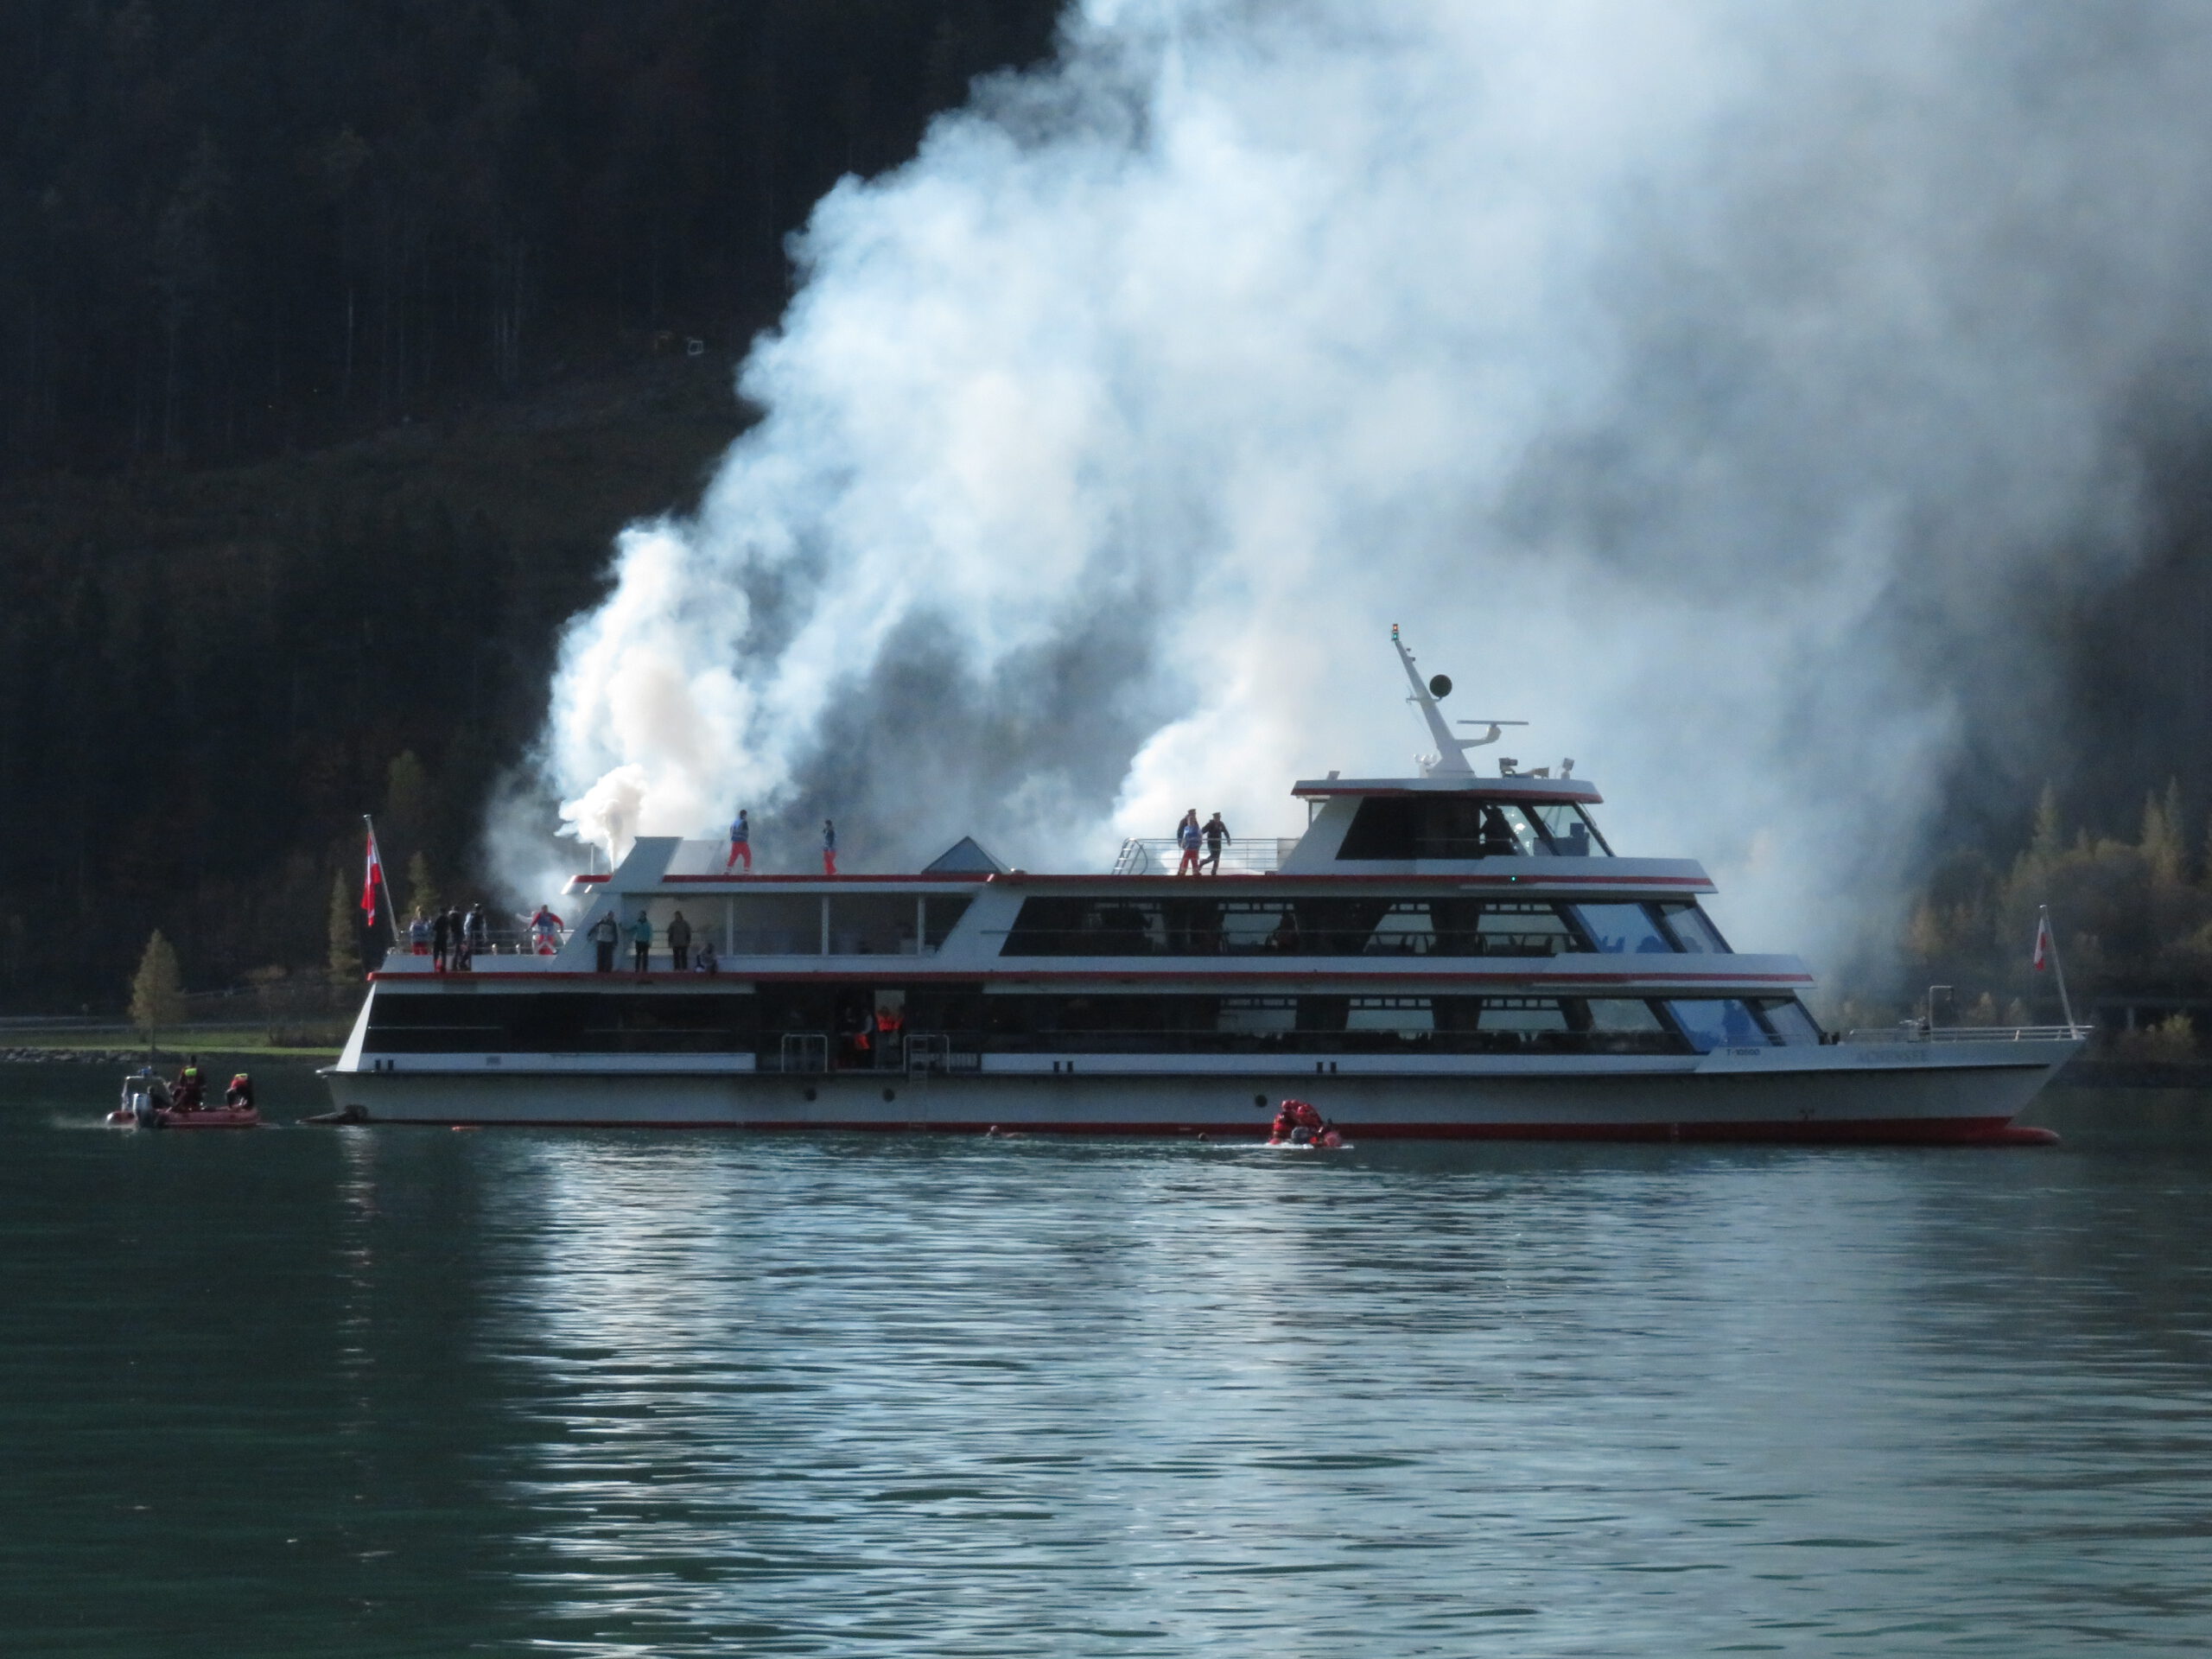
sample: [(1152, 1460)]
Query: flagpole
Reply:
[(390, 909), (2065, 1002)]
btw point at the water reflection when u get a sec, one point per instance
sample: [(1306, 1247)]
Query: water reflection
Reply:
[(598, 1394), (975, 1397)]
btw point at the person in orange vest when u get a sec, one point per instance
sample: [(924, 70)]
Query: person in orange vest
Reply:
[(886, 1034)]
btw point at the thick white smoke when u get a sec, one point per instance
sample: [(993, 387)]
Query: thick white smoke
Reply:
[(1712, 384)]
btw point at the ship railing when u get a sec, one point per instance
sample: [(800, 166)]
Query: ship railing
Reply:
[(930, 1053), (806, 1051), (1912, 1031), (499, 941), (1160, 855)]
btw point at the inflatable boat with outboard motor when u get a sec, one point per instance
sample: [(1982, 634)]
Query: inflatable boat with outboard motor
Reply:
[(148, 1103)]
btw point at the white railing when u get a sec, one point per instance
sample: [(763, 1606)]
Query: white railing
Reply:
[(1911, 1031), (1160, 855)]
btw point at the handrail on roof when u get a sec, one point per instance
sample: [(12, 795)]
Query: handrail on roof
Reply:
[(1160, 855)]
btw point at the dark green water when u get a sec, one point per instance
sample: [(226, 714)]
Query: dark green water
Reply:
[(415, 1392)]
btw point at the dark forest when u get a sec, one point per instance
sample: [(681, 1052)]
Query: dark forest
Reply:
[(337, 339)]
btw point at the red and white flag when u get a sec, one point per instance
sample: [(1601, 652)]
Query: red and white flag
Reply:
[(374, 873), (2041, 959)]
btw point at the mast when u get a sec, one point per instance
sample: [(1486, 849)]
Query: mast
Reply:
[(1451, 752)]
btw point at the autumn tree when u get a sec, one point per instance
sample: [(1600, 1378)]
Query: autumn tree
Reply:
[(158, 991)]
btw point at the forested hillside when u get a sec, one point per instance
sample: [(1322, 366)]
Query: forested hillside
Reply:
[(337, 339)]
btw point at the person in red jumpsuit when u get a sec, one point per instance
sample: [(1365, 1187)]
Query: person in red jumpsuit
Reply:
[(1297, 1124)]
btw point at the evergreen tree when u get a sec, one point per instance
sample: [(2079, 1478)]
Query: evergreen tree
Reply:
[(157, 992), (344, 963), (2049, 838), (2162, 841)]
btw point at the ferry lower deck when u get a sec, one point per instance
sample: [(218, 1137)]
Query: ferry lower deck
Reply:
[(1902, 1091)]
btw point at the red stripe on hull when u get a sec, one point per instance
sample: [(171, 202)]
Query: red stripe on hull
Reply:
[(1932, 1131)]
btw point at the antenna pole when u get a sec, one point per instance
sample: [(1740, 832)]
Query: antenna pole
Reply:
[(1451, 752), (2065, 1002)]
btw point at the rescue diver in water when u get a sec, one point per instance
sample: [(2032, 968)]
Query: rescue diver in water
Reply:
[(1297, 1124)]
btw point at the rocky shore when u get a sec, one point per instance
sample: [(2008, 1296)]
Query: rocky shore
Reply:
[(87, 1056)]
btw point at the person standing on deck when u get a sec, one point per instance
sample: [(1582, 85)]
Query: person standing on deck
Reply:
[(457, 933), (829, 848), (545, 928), (641, 939), (605, 932), (479, 931), (679, 941), (1218, 837), (441, 941), (418, 933), (1188, 836), (741, 841)]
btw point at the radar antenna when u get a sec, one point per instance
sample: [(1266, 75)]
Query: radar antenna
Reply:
[(1451, 752)]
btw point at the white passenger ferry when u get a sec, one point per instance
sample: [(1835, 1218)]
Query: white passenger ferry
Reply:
[(1450, 955)]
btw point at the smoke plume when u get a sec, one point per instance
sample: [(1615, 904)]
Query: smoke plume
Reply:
[(1716, 385)]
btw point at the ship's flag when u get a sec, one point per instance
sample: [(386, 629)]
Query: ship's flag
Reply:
[(2042, 958), (373, 874)]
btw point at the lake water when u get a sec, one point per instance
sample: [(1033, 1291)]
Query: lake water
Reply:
[(384, 1392)]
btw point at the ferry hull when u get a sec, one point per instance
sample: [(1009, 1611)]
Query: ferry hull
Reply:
[(1923, 1097)]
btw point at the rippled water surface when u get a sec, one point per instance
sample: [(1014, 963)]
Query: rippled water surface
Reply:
[(419, 1392)]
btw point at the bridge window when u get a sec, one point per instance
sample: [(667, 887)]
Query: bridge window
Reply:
[(1694, 930), (1786, 1017), (1401, 827), (1572, 832), (1623, 929), (1719, 1023)]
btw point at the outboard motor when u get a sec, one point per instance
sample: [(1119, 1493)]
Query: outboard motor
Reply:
[(141, 1100)]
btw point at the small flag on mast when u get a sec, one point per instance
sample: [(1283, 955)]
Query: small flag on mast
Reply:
[(2041, 959), (373, 874)]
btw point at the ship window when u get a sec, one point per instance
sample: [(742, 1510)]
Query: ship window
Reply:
[(1257, 1014), (1719, 1023), (1522, 1014), (562, 1023), (1401, 827), (774, 925), (1235, 925), (1407, 930), (1623, 929), (1407, 1016), (1786, 1018), (1508, 831), (871, 924), (1694, 930), (1522, 930), (1381, 828), (941, 914), (1574, 833)]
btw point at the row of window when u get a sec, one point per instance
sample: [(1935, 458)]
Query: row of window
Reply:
[(737, 1022), (1398, 826), (1336, 926)]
